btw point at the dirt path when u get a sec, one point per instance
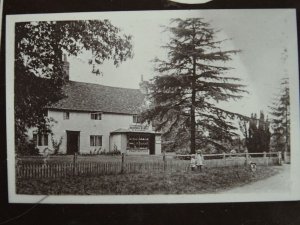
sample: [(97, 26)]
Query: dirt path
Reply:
[(278, 183)]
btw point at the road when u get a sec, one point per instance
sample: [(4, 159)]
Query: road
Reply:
[(279, 183)]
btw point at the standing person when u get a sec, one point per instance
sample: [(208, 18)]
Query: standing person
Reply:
[(279, 158), (193, 163), (46, 155), (199, 160)]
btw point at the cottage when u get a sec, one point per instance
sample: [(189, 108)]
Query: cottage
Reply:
[(95, 118)]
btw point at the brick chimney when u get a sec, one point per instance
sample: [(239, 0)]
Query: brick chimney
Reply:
[(143, 86), (66, 67)]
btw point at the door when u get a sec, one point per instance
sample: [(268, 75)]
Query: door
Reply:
[(152, 144), (73, 138)]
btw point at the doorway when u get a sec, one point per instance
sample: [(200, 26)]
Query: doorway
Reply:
[(73, 144), (152, 144)]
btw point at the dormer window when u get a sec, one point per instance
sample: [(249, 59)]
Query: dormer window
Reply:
[(96, 116), (66, 115), (136, 119)]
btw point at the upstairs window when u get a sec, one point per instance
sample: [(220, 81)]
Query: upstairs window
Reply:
[(96, 116), (66, 115), (136, 119), (95, 140), (40, 139)]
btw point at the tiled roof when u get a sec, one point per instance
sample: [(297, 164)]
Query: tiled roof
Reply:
[(94, 97)]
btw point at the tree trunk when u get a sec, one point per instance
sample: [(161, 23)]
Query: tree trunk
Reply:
[(286, 128), (193, 122)]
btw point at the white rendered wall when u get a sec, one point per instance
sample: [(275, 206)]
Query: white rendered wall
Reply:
[(157, 144), (81, 121), (115, 142), (120, 141)]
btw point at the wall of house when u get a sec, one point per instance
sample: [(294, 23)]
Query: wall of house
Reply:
[(81, 121), (118, 142), (157, 144)]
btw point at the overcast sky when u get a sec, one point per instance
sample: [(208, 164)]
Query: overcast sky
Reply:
[(262, 35)]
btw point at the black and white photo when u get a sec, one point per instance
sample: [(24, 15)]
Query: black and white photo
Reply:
[(177, 106)]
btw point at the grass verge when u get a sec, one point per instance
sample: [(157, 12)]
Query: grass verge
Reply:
[(210, 180)]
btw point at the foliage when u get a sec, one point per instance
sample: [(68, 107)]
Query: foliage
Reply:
[(114, 152), (190, 83), (101, 151), (27, 148), (280, 111), (39, 72), (56, 144), (257, 133)]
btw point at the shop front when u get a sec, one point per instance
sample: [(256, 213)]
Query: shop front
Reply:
[(136, 142)]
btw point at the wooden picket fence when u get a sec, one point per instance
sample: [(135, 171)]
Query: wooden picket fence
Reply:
[(54, 170), (43, 169)]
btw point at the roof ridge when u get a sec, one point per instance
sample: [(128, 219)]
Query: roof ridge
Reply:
[(103, 85)]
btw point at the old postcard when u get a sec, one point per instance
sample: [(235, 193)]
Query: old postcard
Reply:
[(182, 106)]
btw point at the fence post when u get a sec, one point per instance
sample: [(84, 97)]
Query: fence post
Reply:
[(279, 158), (122, 166), (265, 158), (247, 158), (285, 157), (74, 163)]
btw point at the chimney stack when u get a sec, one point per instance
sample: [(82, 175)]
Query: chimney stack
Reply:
[(143, 86), (66, 67)]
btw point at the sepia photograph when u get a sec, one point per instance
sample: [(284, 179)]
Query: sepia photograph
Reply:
[(181, 106)]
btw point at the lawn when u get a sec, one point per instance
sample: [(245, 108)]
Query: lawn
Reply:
[(211, 180)]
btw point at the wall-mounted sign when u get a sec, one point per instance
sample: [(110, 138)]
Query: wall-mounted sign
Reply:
[(138, 127)]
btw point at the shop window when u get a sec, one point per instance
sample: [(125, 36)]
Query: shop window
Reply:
[(95, 140), (138, 141), (96, 116), (66, 115), (40, 139)]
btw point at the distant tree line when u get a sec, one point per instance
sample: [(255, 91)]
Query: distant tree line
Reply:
[(257, 133)]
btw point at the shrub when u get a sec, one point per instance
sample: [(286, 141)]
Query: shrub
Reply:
[(27, 148), (114, 152), (56, 144)]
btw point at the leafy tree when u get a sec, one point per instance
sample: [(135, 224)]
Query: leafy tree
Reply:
[(39, 76), (190, 83), (280, 111)]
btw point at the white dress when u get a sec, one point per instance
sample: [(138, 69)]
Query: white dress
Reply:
[(199, 160)]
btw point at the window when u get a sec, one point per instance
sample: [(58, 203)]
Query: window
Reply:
[(136, 119), (95, 140), (96, 116), (138, 141), (66, 115), (40, 139)]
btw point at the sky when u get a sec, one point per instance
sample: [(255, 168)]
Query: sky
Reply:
[(261, 35)]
